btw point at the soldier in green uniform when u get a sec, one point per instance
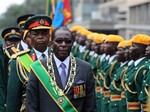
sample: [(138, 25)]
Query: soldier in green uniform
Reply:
[(75, 50), (123, 104), (134, 78), (110, 48), (82, 42), (100, 74), (115, 87), (95, 63), (145, 93), (39, 27), (74, 31), (2, 96)]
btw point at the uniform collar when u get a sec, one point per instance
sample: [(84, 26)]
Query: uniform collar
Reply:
[(138, 61), (38, 54), (24, 45)]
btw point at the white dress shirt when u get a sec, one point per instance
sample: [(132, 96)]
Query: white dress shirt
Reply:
[(58, 62), (39, 54)]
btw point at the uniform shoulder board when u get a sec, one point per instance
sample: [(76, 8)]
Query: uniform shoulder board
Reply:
[(20, 53)]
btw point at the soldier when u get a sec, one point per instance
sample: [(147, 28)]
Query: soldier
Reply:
[(75, 50), (82, 39), (39, 27), (23, 45), (134, 78), (95, 64), (145, 93), (74, 31), (2, 95), (12, 37), (123, 104), (115, 86), (109, 70)]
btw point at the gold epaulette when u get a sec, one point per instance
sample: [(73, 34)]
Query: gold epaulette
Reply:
[(19, 53)]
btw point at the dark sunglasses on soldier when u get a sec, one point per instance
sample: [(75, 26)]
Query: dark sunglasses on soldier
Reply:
[(61, 41)]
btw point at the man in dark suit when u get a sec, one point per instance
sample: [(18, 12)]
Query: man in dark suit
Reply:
[(52, 87), (39, 27)]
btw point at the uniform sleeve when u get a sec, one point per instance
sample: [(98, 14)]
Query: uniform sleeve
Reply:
[(2, 97), (90, 101), (14, 90), (32, 99)]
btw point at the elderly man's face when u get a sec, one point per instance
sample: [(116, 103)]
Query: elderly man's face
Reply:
[(62, 44)]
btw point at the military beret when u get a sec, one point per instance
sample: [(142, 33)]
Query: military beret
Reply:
[(11, 32), (38, 22), (76, 28), (99, 38), (92, 36), (114, 38), (141, 39), (22, 19), (124, 43)]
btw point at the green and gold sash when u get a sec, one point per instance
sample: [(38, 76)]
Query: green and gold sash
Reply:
[(43, 76)]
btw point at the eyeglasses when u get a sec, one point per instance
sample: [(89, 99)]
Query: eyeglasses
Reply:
[(61, 41)]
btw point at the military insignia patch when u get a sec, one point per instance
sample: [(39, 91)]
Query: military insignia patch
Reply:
[(41, 22)]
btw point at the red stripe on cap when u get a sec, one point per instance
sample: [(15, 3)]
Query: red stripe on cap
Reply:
[(35, 24)]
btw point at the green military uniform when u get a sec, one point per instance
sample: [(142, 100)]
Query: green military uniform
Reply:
[(18, 77), (75, 50), (110, 69), (2, 96), (100, 73), (144, 94), (116, 89), (123, 103), (20, 64), (133, 84), (81, 52)]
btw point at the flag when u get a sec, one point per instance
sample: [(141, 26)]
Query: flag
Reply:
[(62, 14), (50, 8)]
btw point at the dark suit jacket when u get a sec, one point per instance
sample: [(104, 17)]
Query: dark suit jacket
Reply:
[(38, 100)]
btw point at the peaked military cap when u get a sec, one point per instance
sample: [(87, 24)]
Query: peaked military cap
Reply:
[(22, 19), (11, 32), (38, 22)]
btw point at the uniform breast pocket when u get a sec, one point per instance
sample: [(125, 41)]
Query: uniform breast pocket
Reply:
[(79, 90)]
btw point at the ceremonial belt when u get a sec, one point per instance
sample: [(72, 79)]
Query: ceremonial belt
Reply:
[(43, 76), (115, 97), (98, 89), (106, 93), (133, 105), (145, 107), (122, 95), (26, 61)]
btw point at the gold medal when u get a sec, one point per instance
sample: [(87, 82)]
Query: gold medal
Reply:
[(60, 100)]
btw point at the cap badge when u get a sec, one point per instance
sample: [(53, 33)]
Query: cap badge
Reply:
[(13, 31), (41, 22)]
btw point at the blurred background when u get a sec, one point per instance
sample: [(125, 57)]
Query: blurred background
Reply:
[(122, 17)]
